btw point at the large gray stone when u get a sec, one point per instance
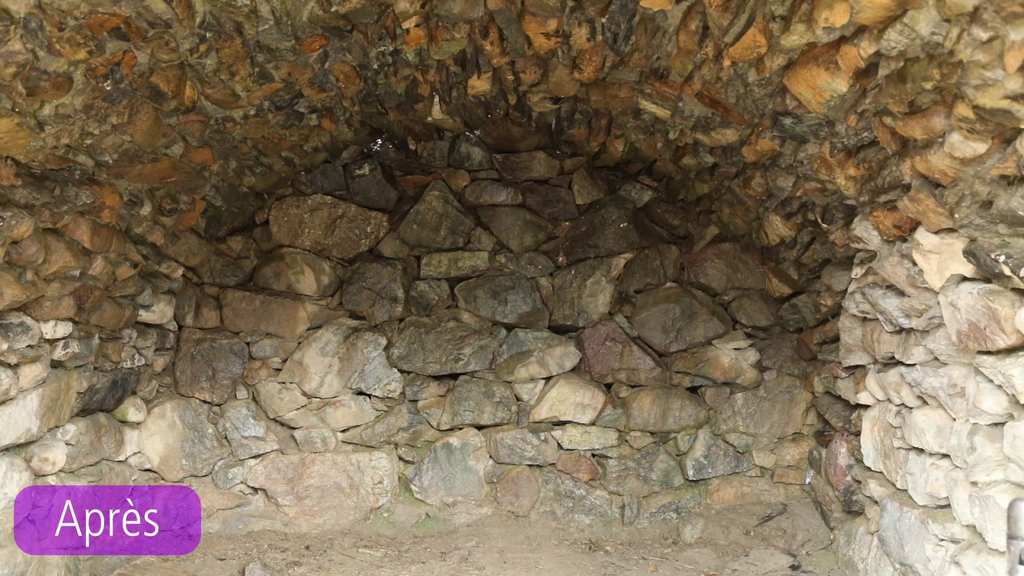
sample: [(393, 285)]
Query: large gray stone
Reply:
[(209, 364), (583, 293), (335, 488), (506, 298), (774, 410), (710, 457), (463, 264), (401, 425), (660, 410), (453, 471), (437, 221), (246, 432), (531, 354), (179, 440), (719, 365), (91, 439), (604, 231), (18, 331), (326, 226), (478, 402), (533, 445), (451, 342), (641, 474), (536, 165), (377, 289), (672, 318), (491, 193), (564, 499), (371, 186), (342, 357), (517, 228)]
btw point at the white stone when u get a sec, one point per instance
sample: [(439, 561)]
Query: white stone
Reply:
[(528, 391), (577, 437), (1006, 370), (878, 433), (980, 316), (980, 560), (56, 329), (347, 411), (858, 551), (132, 410), (979, 450), (988, 403), (161, 312), (959, 490), (46, 456), (1013, 447), (945, 384), (988, 508), (892, 386), (928, 428), (941, 256), (14, 477), (569, 398), (341, 357), (905, 538), (926, 478), (132, 442)]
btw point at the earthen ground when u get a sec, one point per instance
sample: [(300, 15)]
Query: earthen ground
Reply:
[(747, 540)]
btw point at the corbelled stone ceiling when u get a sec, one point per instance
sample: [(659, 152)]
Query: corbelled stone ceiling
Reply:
[(593, 261)]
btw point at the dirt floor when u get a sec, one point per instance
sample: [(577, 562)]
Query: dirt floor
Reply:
[(750, 540)]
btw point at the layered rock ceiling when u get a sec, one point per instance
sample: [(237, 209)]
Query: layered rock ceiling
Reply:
[(769, 118), (596, 262)]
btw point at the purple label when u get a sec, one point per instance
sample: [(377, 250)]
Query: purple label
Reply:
[(107, 520)]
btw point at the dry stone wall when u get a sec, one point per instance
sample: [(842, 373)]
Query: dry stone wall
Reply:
[(460, 355)]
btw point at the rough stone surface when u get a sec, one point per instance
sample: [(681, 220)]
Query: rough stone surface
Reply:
[(340, 358), (664, 410), (32, 413), (569, 398), (326, 226), (332, 488), (774, 410), (209, 364), (979, 316), (504, 298), (377, 289), (478, 402), (518, 490), (244, 311), (532, 446), (531, 354), (642, 474), (298, 272), (672, 318), (517, 228), (453, 470), (437, 221), (452, 342), (612, 356), (583, 293), (179, 441), (725, 266), (710, 457)]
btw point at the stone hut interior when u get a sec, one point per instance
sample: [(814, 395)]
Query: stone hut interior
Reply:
[(519, 287)]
